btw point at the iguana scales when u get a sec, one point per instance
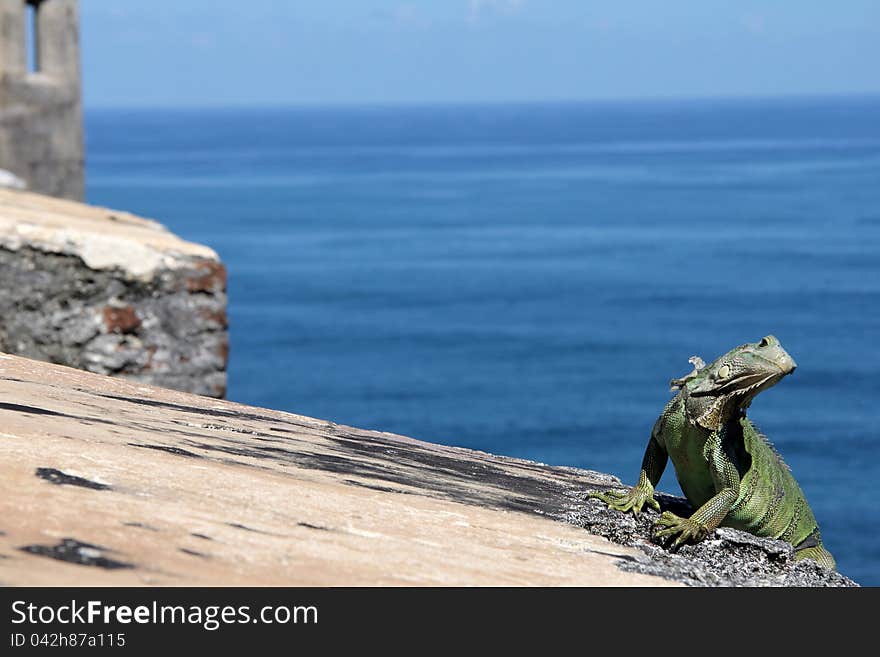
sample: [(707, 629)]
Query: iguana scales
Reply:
[(727, 469)]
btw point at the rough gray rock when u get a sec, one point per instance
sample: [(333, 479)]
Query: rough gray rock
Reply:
[(168, 330), (728, 557)]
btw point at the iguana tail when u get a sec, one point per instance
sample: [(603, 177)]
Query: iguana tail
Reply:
[(812, 548), (820, 554)]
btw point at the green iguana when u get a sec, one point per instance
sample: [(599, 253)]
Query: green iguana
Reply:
[(728, 471)]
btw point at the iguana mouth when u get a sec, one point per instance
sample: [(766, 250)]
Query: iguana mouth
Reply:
[(748, 382), (754, 382), (760, 384)]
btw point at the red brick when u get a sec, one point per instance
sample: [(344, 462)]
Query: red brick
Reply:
[(121, 319), (209, 277)]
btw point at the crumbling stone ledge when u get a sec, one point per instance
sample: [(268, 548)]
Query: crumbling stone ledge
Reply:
[(110, 293), (728, 557)]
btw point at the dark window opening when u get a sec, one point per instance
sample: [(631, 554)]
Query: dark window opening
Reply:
[(30, 38)]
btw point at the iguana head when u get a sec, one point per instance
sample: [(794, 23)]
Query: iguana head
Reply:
[(716, 392)]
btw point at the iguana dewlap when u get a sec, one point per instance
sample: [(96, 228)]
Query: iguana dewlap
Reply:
[(727, 469)]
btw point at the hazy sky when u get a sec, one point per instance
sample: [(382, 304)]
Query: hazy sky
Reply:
[(222, 52)]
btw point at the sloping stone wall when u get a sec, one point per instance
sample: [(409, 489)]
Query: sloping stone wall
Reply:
[(108, 483)]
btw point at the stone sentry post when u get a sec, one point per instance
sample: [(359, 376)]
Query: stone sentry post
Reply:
[(41, 133), (91, 288)]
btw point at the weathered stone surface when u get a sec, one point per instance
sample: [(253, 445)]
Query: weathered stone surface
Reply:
[(111, 293), (107, 482)]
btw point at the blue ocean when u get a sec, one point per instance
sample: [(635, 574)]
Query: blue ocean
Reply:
[(526, 279)]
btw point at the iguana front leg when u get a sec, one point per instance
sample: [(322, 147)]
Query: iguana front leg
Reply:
[(709, 515), (653, 464)]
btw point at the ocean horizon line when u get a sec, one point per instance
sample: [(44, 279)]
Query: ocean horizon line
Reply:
[(733, 99)]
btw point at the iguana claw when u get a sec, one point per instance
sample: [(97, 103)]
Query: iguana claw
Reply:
[(686, 528), (633, 500)]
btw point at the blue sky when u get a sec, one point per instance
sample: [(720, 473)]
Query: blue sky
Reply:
[(259, 52)]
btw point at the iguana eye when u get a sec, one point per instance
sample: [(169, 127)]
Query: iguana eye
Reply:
[(723, 372)]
